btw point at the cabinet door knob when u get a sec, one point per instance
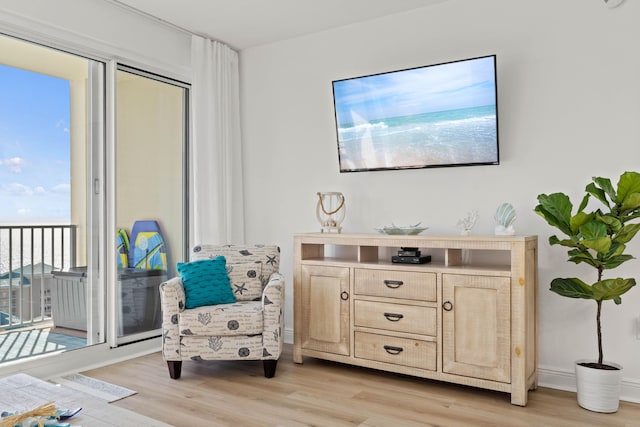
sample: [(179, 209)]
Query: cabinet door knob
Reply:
[(447, 306), (344, 295), (393, 350), (393, 284), (393, 317)]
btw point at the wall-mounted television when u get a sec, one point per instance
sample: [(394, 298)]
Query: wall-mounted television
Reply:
[(431, 116)]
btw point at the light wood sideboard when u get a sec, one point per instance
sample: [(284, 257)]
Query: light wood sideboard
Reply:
[(466, 317)]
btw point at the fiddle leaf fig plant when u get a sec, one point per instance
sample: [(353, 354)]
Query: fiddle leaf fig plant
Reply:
[(597, 238)]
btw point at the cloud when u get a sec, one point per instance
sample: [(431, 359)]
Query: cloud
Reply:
[(14, 164), (24, 212), (62, 188), (18, 189), (61, 124)]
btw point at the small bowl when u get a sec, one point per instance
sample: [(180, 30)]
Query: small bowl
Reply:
[(410, 230)]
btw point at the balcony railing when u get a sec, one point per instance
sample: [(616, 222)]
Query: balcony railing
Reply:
[(28, 255)]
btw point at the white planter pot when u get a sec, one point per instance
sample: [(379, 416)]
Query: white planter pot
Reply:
[(598, 389)]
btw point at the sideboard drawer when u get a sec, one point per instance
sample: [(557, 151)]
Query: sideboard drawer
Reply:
[(395, 317), (396, 284), (399, 351)]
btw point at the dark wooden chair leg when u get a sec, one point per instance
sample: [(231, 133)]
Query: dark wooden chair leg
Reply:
[(269, 368), (175, 368)]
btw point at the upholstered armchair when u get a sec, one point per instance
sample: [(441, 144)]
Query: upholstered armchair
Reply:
[(249, 328)]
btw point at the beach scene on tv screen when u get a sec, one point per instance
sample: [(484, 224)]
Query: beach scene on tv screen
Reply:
[(439, 115)]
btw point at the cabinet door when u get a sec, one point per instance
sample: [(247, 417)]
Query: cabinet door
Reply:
[(325, 309), (476, 326)]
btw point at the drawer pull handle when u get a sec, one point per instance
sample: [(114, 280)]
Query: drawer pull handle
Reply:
[(447, 306), (393, 284), (393, 350), (393, 317), (344, 295)]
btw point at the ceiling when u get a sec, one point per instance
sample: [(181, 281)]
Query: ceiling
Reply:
[(245, 23)]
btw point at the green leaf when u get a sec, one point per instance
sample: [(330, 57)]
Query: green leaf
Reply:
[(595, 237), (597, 193), (577, 259), (601, 245), (553, 240), (572, 288), (556, 210), (584, 202), (611, 288), (593, 230), (614, 262), (628, 185), (577, 251), (627, 233), (564, 242), (586, 259), (629, 216), (605, 185), (616, 249), (611, 221), (631, 202), (578, 220)]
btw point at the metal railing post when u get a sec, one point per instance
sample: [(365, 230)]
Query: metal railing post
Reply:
[(27, 253)]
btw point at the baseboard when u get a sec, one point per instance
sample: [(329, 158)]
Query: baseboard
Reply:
[(566, 380), (288, 335)]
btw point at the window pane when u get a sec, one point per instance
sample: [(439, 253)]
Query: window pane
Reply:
[(149, 194), (44, 222)]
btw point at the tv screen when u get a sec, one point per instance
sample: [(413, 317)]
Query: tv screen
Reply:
[(431, 116)]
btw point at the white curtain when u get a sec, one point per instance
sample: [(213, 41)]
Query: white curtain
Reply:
[(216, 157)]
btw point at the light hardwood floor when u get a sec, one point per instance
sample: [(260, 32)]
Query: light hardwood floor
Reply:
[(321, 393)]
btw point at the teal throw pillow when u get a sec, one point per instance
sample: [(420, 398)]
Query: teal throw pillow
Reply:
[(206, 282)]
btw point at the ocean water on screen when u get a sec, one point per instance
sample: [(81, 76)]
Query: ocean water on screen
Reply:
[(459, 136)]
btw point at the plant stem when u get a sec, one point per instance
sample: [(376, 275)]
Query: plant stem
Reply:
[(598, 324), (599, 302)]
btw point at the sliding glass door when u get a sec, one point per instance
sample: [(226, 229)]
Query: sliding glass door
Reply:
[(51, 145), (94, 199), (150, 196)]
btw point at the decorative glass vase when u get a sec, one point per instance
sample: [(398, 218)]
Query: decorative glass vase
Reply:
[(330, 211)]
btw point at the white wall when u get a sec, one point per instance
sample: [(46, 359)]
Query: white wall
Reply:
[(569, 109)]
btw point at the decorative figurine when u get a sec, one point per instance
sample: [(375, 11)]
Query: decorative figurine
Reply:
[(330, 211), (468, 222), (505, 217)]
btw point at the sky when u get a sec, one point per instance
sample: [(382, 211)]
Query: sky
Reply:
[(442, 87), (34, 148)]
